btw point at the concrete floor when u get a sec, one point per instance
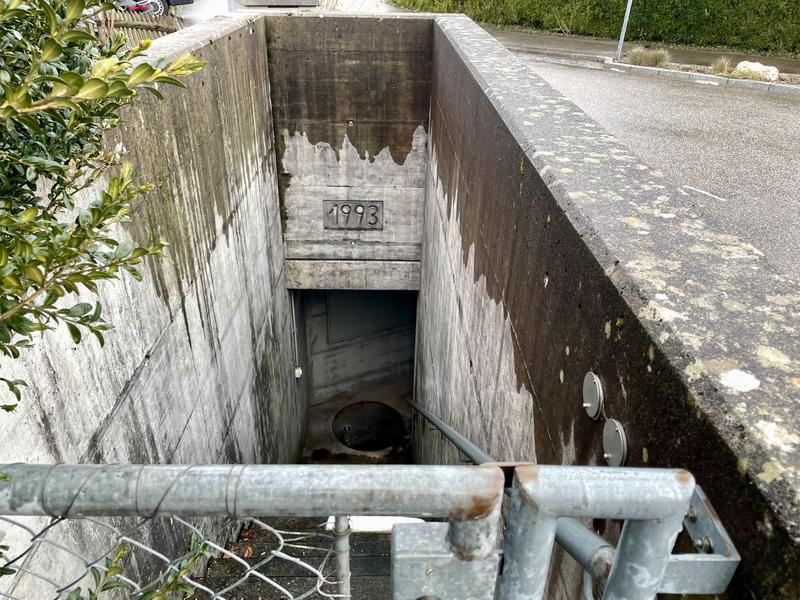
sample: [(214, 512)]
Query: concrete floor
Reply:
[(734, 150), (321, 446)]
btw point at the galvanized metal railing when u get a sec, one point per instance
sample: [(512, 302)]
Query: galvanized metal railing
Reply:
[(469, 498), (546, 500), (458, 558)]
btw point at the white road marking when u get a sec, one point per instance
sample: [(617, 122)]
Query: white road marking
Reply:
[(706, 82), (709, 194)]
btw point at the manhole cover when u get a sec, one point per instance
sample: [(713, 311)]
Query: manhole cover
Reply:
[(369, 426)]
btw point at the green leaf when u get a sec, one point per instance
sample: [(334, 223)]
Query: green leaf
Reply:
[(28, 215), (74, 332), (101, 340), (98, 308), (80, 309), (13, 386), (140, 74), (74, 9), (155, 92), (74, 80), (113, 584), (77, 35), (123, 250), (170, 81), (51, 50), (52, 19), (34, 274), (119, 89), (94, 89)]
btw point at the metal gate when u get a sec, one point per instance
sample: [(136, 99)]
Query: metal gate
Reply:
[(457, 555)]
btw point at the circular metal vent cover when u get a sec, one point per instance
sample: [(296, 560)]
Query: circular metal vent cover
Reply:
[(369, 426)]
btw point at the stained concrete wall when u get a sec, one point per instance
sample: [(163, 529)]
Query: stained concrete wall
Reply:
[(356, 339), (199, 367), (350, 98), (549, 251)]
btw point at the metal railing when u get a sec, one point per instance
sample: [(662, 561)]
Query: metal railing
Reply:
[(456, 556), (653, 522)]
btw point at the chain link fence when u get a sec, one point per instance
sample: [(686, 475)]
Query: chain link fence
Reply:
[(166, 557)]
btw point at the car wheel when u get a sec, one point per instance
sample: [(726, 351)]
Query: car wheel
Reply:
[(158, 8)]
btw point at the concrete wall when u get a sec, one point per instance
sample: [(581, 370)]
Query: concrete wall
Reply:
[(372, 342), (199, 367), (351, 98), (550, 250)]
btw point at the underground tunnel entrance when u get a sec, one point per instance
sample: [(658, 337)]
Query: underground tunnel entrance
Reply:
[(356, 351)]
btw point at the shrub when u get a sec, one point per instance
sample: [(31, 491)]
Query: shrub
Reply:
[(648, 57), (747, 24)]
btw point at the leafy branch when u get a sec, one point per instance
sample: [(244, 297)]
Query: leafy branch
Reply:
[(61, 89), (172, 585)]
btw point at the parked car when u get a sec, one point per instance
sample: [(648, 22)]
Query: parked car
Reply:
[(150, 7)]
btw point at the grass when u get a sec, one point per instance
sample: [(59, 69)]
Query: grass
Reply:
[(648, 57), (721, 66), (747, 74)]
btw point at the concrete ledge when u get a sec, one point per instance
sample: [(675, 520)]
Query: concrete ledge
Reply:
[(763, 86), (352, 275)]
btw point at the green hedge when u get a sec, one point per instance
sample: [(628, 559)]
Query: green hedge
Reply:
[(770, 25)]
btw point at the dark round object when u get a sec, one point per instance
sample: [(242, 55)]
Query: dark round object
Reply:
[(369, 426), (158, 8)]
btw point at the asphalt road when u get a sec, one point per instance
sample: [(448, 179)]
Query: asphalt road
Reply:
[(737, 151)]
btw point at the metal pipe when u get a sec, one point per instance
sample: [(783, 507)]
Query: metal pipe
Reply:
[(644, 552), (591, 551), (526, 555), (469, 449), (461, 492), (341, 531), (624, 29), (653, 502), (469, 496)]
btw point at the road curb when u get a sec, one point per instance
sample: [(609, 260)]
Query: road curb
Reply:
[(574, 56), (764, 86)]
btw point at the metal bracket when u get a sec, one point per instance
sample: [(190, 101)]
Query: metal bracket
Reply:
[(424, 565), (710, 571)]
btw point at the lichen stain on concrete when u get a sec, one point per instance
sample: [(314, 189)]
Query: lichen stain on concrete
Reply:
[(778, 436), (772, 358), (771, 471), (739, 381)]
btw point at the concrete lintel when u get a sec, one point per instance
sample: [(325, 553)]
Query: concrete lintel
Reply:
[(352, 275)]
